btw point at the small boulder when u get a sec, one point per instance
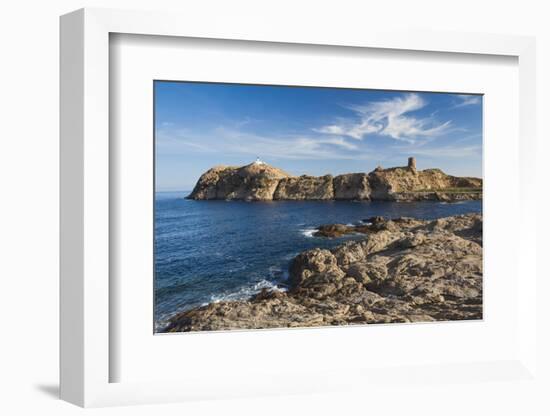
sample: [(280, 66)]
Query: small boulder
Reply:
[(333, 230)]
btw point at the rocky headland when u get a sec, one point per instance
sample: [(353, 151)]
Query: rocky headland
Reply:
[(402, 270), (259, 181)]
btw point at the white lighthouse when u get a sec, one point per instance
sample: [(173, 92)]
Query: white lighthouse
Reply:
[(259, 161)]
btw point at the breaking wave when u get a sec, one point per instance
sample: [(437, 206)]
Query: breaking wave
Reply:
[(245, 292), (308, 232)]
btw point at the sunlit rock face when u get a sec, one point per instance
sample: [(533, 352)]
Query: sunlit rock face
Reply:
[(259, 181), (403, 270)]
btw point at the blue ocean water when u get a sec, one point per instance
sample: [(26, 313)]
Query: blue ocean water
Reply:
[(207, 251)]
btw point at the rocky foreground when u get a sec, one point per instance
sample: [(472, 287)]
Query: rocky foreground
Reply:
[(404, 270), (259, 181)]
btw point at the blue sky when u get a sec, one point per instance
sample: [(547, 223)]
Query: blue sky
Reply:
[(311, 131)]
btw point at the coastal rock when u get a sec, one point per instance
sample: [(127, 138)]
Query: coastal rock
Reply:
[(259, 181), (374, 220), (254, 182), (333, 230), (313, 268), (405, 184), (411, 271), (352, 186), (373, 224), (305, 188), (442, 196)]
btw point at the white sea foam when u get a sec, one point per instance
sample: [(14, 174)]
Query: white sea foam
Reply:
[(246, 292), (308, 232)]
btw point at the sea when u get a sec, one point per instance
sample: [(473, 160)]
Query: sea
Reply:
[(210, 251)]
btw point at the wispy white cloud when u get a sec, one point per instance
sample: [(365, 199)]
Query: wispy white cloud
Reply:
[(343, 140), (466, 100), (390, 118), (236, 142)]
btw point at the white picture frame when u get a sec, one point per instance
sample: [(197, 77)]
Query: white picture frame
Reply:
[(86, 356)]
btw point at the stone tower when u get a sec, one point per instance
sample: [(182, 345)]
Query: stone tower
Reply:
[(412, 163)]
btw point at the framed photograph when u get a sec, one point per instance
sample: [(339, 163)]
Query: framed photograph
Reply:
[(270, 212), (341, 240)]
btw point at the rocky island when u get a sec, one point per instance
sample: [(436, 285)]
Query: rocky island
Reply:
[(259, 181), (402, 270)]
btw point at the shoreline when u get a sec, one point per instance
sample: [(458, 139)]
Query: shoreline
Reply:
[(397, 197), (327, 288)]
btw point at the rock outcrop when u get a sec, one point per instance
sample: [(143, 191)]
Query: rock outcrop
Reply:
[(254, 182), (403, 270), (261, 182), (352, 186), (305, 188)]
